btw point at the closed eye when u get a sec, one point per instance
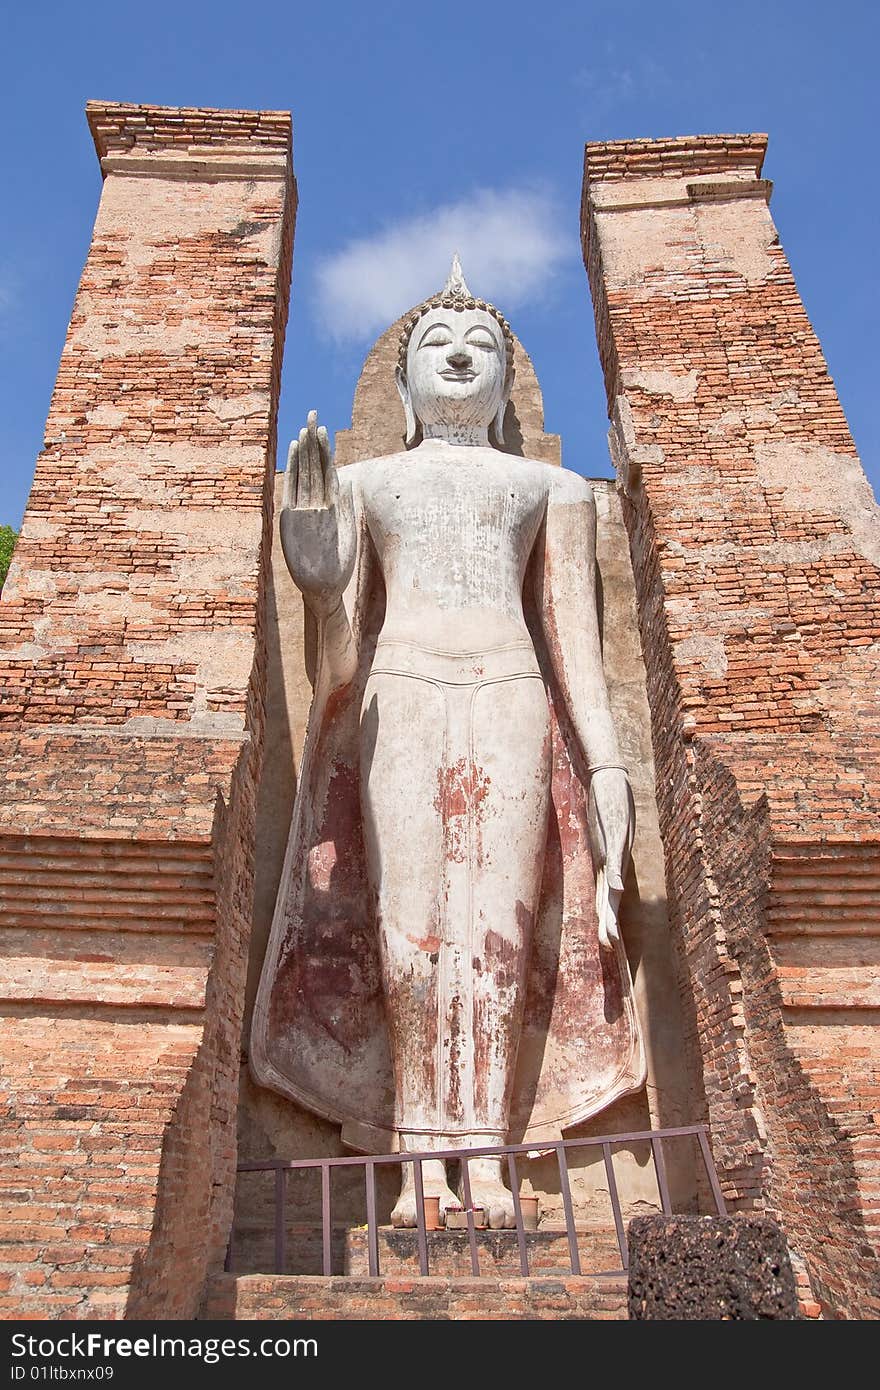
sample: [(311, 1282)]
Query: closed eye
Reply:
[(436, 337), (482, 340)]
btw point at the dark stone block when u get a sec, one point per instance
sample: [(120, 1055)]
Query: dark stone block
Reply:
[(692, 1268)]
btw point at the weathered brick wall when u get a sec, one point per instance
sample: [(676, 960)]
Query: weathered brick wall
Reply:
[(756, 550), (805, 1029), (313, 1298), (132, 703)]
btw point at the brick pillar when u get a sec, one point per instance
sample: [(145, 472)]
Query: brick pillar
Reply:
[(132, 712), (756, 547)]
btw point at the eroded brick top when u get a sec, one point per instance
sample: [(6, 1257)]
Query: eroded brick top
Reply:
[(682, 155), (118, 127), (146, 524)]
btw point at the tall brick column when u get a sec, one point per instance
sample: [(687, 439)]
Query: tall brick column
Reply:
[(756, 546), (132, 712)]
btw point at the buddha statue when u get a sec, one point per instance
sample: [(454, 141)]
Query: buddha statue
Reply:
[(453, 586)]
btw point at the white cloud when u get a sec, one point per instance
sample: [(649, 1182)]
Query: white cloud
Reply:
[(607, 86), (509, 241), (8, 292), (608, 83)]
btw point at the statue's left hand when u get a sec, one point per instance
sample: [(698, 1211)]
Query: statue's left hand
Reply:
[(612, 825)]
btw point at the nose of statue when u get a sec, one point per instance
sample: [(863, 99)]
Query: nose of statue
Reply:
[(458, 358)]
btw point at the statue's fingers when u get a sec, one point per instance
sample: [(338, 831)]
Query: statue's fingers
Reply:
[(304, 476), (602, 907), (616, 851), (614, 873), (288, 492), (612, 924), (314, 457), (597, 828), (323, 444), (328, 469), (316, 473)]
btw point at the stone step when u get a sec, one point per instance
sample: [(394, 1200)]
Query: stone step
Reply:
[(282, 1297)]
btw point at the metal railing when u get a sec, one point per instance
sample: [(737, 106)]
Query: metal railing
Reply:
[(561, 1148)]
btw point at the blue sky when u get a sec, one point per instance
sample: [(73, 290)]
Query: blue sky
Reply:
[(414, 125)]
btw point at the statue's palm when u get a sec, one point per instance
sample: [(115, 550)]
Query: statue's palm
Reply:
[(317, 522)]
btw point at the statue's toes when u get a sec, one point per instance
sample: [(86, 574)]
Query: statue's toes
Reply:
[(498, 1217), (404, 1214)]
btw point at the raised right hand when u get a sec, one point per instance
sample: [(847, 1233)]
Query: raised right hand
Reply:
[(317, 521)]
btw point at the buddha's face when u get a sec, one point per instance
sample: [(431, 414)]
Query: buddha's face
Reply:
[(455, 368)]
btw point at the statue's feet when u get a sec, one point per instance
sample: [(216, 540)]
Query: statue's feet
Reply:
[(435, 1185), (488, 1191)]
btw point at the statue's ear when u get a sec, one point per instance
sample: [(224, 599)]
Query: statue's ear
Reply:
[(403, 388), (496, 429)]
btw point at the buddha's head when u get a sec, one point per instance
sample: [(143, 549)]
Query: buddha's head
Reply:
[(455, 369)]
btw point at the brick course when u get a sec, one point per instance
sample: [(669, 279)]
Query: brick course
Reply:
[(312, 1297), (756, 551), (132, 718)]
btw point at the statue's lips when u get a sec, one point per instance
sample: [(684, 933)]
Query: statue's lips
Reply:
[(458, 376)]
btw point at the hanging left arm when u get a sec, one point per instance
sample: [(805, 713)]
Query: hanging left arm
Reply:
[(565, 589)]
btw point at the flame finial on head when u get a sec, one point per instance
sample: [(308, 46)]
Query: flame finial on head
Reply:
[(455, 282), (455, 294)]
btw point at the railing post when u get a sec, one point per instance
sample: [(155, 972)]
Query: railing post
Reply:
[(420, 1214), (660, 1169), (517, 1214), (568, 1208), (280, 1220), (615, 1205), (372, 1230), (326, 1228), (711, 1172), (469, 1208)]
